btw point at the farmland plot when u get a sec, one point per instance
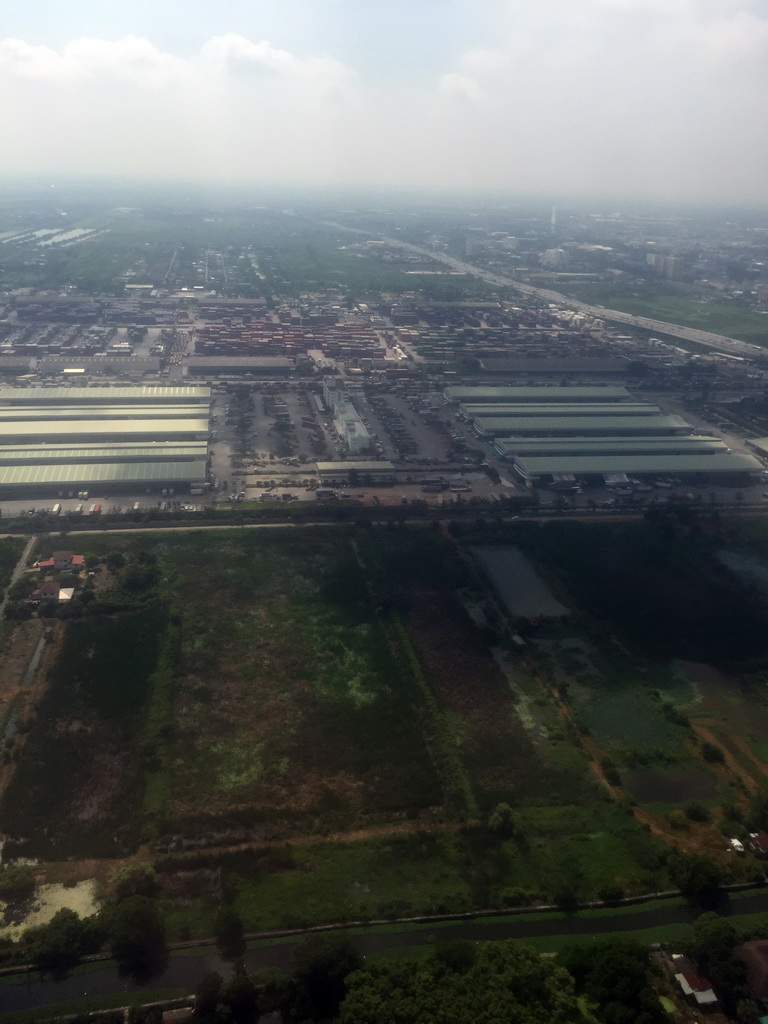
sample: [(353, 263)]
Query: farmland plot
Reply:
[(288, 707)]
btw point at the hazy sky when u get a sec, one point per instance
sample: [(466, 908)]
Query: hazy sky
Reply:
[(630, 97)]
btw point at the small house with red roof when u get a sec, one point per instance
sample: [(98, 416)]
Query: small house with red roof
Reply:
[(695, 986), (63, 561)]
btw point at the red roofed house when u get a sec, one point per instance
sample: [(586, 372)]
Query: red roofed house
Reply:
[(692, 983), (755, 956), (63, 561), (759, 843)]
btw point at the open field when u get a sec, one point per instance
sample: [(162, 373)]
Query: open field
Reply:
[(674, 306), (321, 720)]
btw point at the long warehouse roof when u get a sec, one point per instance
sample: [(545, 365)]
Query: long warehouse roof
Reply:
[(667, 464), (576, 424), (73, 412), (456, 393), (105, 428), (535, 445), (150, 451), (558, 409), (140, 393), (105, 473)]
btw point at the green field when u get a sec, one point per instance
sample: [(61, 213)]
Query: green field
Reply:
[(314, 717), (675, 307)]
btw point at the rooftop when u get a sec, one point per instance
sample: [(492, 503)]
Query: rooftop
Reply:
[(717, 462), (103, 473), (104, 394), (457, 393)]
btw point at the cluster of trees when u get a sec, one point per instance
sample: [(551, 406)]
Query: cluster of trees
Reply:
[(313, 991), (130, 927)]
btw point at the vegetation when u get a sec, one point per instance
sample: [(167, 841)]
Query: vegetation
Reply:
[(509, 981)]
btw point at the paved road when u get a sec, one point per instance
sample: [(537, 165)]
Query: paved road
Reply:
[(20, 566)]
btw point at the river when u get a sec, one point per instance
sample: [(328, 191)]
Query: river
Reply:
[(186, 971)]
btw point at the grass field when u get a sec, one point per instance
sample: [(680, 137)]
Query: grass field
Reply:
[(673, 306), (253, 693)]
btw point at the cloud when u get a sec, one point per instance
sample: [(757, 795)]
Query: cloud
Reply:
[(131, 58), (235, 52), (137, 60), (461, 87)]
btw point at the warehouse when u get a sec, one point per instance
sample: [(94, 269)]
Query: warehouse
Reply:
[(61, 440), (723, 467), (352, 472), (561, 366), (54, 413), (111, 396), (759, 445), (579, 426), (456, 394), (509, 447), (104, 431), (256, 366), (470, 411), (153, 451), (65, 480)]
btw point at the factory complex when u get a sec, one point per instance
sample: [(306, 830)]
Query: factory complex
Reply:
[(60, 442), (561, 436)]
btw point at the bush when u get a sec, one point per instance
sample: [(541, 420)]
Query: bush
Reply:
[(17, 883), (712, 753), (698, 812)]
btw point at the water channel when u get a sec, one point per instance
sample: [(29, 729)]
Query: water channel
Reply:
[(184, 972)]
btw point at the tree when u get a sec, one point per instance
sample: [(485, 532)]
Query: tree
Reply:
[(114, 560), (696, 876), (507, 982), (208, 994), (616, 975), (61, 944), (136, 880), (17, 883), (321, 966), (138, 936), (240, 996), (228, 930), (502, 821)]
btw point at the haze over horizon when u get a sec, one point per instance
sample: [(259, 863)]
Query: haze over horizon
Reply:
[(645, 98)]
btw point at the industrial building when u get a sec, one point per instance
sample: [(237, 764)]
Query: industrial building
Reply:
[(118, 395), (60, 441), (715, 466), (257, 366), (346, 419), (583, 426), (355, 472), (470, 411), (609, 393), (511, 447)]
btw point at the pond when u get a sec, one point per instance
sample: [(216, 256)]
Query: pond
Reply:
[(748, 568), (669, 785), (521, 588)]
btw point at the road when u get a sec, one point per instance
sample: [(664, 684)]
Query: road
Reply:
[(20, 567), (705, 338)]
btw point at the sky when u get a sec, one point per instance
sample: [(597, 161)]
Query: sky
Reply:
[(629, 98)]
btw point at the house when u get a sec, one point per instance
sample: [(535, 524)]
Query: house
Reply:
[(47, 591), (755, 956), (63, 561), (759, 843), (694, 985)]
